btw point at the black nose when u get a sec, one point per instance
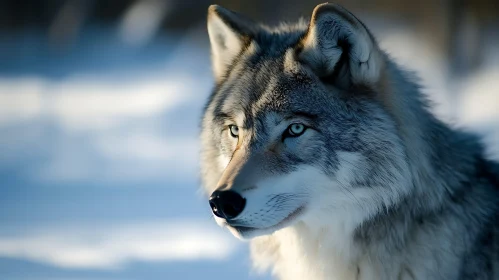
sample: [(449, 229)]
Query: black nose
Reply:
[(227, 204)]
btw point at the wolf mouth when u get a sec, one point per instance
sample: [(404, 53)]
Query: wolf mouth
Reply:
[(245, 229)]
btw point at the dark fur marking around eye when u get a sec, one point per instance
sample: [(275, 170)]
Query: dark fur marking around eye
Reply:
[(306, 115)]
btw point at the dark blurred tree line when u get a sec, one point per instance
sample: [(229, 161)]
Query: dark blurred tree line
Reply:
[(455, 27)]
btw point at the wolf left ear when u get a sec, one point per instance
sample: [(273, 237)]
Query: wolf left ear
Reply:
[(229, 32), (340, 49)]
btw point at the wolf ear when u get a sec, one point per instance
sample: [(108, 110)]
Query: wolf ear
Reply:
[(340, 49), (228, 32)]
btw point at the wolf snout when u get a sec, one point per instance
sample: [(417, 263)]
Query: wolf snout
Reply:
[(227, 204)]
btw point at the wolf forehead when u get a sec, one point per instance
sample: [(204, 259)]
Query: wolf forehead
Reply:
[(267, 77)]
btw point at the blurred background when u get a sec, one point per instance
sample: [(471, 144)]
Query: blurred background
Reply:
[(100, 103)]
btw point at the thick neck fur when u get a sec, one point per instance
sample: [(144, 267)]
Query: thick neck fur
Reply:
[(407, 240)]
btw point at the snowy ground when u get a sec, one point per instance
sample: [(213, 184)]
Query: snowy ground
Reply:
[(99, 154)]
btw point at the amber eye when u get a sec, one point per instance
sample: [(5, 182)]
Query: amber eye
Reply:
[(296, 129), (234, 131)]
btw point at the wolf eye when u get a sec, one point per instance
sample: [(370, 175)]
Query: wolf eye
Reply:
[(296, 129), (234, 131)]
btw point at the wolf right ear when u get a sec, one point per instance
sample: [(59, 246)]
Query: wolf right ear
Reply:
[(229, 32), (340, 49)]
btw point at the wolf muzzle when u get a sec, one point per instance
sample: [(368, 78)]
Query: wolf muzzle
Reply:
[(225, 201)]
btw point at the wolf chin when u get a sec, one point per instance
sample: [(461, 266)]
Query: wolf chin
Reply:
[(319, 149)]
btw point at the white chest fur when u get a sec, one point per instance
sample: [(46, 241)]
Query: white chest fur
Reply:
[(297, 253)]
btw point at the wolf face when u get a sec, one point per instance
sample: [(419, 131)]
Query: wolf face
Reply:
[(299, 126)]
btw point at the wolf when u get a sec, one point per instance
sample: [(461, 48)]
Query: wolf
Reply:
[(322, 151)]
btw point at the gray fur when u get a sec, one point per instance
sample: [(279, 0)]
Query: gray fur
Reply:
[(433, 198)]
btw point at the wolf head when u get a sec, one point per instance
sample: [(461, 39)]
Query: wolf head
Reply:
[(299, 126)]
